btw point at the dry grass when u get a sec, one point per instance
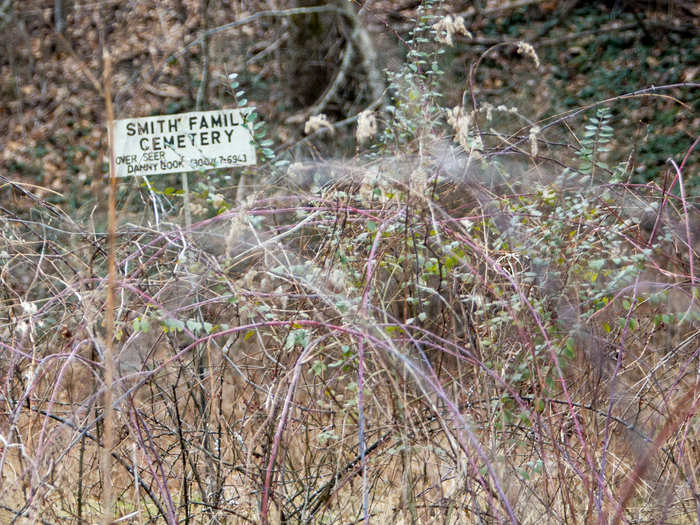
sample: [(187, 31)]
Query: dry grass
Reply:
[(499, 385)]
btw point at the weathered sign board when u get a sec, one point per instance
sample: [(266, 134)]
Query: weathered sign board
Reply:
[(196, 141)]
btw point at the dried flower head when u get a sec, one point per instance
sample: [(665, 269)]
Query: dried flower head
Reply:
[(534, 131), (235, 232), (317, 122), (448, 26), (29, 308), (506, 109), (197, 209), (216, 200), (22, 327), (366, 126), (460, 120), (488, 108), (295, 170), (526, 49)]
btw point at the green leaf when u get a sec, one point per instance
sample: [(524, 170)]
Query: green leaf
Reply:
[(140, 324), (569, 351), (596, 264), (299, 337), (173, 325), (318, 367), (193, 326)]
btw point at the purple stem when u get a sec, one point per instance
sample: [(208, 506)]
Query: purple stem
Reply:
[(278, 434)]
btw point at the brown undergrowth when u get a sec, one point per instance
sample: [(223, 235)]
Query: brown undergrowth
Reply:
[(422, 339)]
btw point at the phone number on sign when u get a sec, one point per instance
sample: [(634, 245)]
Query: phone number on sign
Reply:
[(205, 162)]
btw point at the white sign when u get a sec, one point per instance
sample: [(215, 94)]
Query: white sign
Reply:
[(201, 140)]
